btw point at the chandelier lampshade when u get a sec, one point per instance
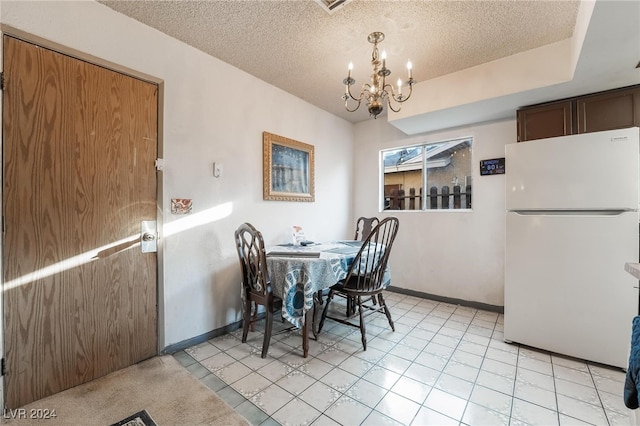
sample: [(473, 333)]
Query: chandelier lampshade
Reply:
[(377, 92)]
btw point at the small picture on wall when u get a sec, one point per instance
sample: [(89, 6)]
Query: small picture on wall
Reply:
[(181, 205)]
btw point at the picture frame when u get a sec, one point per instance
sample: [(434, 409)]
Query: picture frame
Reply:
[(288, 169)]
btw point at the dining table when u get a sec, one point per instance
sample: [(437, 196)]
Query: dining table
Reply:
[(299, 274)]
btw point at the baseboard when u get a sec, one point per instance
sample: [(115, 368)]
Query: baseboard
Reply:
[(453, 301), (177, 347)]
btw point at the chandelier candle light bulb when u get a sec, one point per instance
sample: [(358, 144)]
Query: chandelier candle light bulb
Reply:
[(377, 92)]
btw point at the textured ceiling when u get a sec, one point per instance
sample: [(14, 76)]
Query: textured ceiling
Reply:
[(300, 48)]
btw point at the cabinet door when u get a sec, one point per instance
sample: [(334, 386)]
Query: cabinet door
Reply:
[(608, 111), (545, 121)]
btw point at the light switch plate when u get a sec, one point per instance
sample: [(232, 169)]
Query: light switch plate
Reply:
[(217, 169)]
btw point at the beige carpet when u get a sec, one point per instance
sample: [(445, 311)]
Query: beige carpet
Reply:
[(160, 385)]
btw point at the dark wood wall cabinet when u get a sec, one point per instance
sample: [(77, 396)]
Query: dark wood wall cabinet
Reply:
[(613, 109)]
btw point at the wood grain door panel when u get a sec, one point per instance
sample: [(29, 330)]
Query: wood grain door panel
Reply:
[(79, 148)]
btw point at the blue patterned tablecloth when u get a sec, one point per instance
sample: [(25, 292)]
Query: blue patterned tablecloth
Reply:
[(297, 273)]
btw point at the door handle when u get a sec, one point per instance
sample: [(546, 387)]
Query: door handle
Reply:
[(148, 236)]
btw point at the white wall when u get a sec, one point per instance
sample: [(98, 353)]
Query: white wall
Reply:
[(210, 112), (457, 254)]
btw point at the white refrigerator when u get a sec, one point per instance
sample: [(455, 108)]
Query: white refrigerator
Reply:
[(571, 225)]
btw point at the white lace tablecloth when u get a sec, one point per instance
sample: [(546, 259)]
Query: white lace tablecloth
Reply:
[(298, 273)]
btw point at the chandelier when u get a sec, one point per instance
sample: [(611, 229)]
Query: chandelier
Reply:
[(377, 92)]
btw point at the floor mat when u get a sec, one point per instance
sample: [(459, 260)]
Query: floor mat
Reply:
[(141, 418)]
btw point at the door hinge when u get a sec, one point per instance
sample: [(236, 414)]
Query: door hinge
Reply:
[(3, 367), (2, 80), (159, 163)]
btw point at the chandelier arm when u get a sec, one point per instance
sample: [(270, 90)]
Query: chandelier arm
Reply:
[(346, 106), (391, 106), (400, 97), (365, 88)]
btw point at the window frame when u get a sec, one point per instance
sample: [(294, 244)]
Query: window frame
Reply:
[(424, 171)]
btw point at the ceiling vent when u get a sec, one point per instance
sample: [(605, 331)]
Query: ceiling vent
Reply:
[(330, 6)]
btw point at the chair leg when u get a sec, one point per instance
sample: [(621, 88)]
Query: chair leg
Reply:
[(317, 303), (254, 317), (305, 333), (325, 310), (246, 321), (386, 311), (351, 306), (363, 330), (267, 333)]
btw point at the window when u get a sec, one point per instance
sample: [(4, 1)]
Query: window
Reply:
[(444, 168)]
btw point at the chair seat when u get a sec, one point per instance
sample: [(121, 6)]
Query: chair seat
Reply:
[(275, 304), (349, 288)]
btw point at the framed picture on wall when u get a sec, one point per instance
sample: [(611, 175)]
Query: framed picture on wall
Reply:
[(288, 169)]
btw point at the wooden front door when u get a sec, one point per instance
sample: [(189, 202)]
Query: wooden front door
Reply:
[(79, 148)]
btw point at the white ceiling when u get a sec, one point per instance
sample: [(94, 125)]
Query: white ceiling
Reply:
[(300, 48)]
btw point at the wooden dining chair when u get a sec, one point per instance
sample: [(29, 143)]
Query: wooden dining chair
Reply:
[(364, 226), (255, 281), (366, 277)]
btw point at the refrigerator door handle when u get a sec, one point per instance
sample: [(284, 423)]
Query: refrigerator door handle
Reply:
[(614, 212)]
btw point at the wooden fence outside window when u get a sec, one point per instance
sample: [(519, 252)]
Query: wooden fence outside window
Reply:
[(443, 200)]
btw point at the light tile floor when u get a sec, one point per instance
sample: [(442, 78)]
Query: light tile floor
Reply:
[(444, 365)]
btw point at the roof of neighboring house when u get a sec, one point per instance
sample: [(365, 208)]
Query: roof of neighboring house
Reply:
[(409, 159)]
